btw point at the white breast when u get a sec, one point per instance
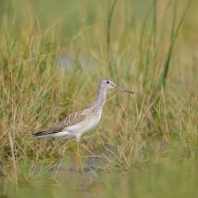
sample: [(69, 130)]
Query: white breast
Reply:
[(85, 126)]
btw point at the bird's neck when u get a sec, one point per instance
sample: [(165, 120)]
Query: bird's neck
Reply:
[(101, 96)]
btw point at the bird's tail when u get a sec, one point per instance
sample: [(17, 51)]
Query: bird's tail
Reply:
[(41, 134)]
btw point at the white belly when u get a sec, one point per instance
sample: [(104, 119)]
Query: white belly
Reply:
[(77, 130), (84, 126)]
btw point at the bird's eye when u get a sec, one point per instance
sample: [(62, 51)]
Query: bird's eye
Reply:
[(107, 82)]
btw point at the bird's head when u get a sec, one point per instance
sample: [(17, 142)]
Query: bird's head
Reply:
[(107, 84)]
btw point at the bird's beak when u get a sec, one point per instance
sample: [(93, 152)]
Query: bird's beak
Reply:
[(121, 89)]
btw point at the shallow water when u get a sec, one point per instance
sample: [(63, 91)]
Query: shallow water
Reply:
[(62, 176), (166, 176)]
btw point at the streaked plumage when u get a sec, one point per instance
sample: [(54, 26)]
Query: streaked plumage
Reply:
[(85, 120)]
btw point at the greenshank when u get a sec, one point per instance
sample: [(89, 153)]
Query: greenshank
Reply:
[(76, 124)]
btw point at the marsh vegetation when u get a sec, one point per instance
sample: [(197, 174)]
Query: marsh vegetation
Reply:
[(52, 56)]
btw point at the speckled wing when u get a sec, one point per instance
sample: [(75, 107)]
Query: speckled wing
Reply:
[(70, 120)]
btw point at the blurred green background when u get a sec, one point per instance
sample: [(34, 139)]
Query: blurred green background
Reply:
[(52, 55)]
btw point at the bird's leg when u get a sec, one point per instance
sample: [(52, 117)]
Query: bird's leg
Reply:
[(77, 161), (79, 158)]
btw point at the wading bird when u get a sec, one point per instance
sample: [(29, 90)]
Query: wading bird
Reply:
[(80, 122)]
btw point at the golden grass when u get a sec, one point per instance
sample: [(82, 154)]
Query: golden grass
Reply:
[(37, 93)]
